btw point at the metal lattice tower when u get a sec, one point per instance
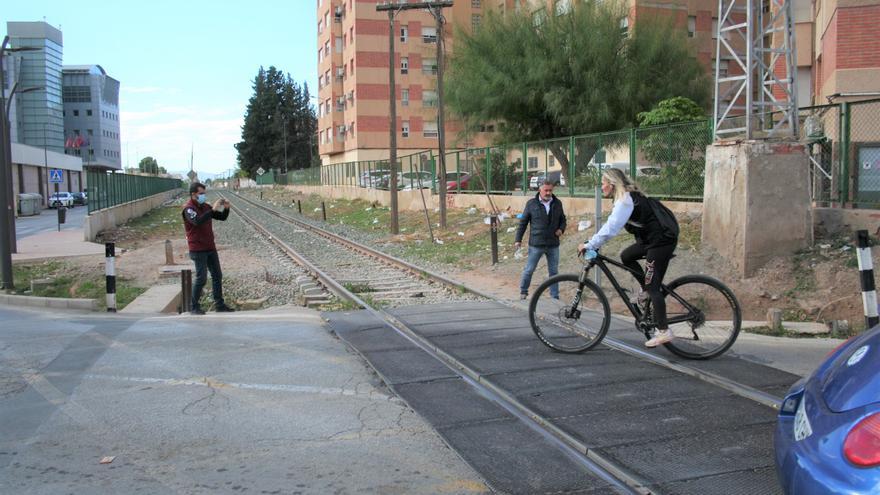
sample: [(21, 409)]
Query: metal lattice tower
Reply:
[(758, 97)]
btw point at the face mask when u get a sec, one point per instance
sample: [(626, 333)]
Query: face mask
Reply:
[(202, 198)]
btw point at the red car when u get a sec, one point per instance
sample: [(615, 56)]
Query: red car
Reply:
[(454, 180)]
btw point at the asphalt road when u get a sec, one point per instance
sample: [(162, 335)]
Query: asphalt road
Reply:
[(244, 403), (47, 221)]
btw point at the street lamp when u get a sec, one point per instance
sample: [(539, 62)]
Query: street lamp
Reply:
[(7, 202)]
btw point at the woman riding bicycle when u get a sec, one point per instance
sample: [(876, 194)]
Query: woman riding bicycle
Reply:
[(656, 240)]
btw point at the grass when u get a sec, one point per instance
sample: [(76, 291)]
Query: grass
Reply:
[(69, 282), (163, 222), (358, 288)]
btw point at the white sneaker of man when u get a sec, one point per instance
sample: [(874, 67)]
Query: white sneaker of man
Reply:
[(660, 337)]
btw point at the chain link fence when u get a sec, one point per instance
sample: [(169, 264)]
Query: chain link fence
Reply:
[(107, 189)]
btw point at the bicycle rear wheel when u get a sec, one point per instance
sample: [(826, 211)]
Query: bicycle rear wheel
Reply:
[(709, 317), (575, 322)]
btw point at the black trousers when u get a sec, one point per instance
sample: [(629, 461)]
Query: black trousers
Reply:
[(650, 278), (207, 261)]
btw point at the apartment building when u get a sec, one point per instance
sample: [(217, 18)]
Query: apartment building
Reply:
[(353, 86), (91, 116)]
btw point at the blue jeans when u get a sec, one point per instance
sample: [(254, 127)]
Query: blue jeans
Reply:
[(207, 261), (535, 254)]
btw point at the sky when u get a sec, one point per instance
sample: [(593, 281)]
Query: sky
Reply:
[(185, 68)]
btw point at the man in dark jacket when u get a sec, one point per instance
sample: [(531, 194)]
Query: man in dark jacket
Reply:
[(545, 213), (197, 216)]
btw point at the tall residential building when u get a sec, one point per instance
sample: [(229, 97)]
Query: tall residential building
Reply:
[(38, 115), (845, 49), (91, 116), (353, 85)]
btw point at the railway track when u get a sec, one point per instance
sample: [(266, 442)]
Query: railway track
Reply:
[(379, 282)]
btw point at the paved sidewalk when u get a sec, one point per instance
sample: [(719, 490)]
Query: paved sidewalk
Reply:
[(56, 245)]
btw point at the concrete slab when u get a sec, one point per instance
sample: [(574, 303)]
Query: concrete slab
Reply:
[(587, 375), (539, 360), (49, 302), (56, 245), (157, 299), (407, 365)]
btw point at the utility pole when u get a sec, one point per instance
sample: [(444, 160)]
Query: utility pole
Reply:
[(441, 124), (393, 9)]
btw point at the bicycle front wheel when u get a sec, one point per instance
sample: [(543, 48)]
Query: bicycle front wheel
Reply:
[(704, 316), (576, 321)]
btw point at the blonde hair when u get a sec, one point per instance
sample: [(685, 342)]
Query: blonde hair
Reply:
[(621, 183)]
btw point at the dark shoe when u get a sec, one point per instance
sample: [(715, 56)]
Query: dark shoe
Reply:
[(196, 312), (523, 297), (224, 309)]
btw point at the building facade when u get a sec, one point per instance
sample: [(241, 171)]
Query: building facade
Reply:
[(91, 116), (39, 113), (353, 85), (845, 52)]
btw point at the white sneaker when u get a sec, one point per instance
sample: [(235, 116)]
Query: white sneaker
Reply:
[(660, 337)]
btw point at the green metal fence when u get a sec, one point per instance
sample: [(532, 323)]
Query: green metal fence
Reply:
[(106, 189), (668, 161)]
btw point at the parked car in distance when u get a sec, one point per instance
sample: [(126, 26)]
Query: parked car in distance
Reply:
[(827, 438), (557, 177), (415, 180), (61, 199), (371, 178), (456, 180), (80, 198)]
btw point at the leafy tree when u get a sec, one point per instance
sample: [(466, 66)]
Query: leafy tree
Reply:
[(279, 112), (554, 76), (148, 165), (679, 149)]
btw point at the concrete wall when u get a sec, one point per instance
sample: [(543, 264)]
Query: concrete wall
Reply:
[(756, 201), (830, 221), (109, 218)]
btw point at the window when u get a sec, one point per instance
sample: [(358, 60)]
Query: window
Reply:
[(88, 113), (339, 44), (404, 34), (320, 55), (76, 131), (430, 130), (351, 68), (475, 4), (722, 69), (624, 26), (429, 34), (429, 98), (714, 28), (92, 153), (320, 27), (404, 130), (63, 113), (76, 113), (327, 48), (563, 7), (351, 128), (404, 97), (692, 26), (351, 34), (429, 66), (475, 22), (404, 65), (533, 162), (326, 19)]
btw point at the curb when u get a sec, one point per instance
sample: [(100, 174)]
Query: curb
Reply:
[(49, 302)]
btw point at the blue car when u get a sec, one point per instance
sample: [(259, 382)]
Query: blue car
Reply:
[(828, 434)]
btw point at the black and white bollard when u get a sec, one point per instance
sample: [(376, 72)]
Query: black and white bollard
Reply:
[(866, 276), (110, 253)]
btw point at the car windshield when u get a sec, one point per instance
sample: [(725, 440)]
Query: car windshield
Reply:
[(59, 195)]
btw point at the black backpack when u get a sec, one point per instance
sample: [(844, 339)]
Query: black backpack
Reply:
[(665, 217)]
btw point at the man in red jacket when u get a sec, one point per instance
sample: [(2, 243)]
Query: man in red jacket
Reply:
[(197, 216)]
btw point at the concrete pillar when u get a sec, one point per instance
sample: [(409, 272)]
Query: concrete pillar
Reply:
[(756, 201)]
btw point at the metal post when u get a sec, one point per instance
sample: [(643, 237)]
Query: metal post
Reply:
[(596, 273), (5, 168), (299, 206), (185, 291), (493, 232), (845, 119), (110, 253), (323, 211), (866, 276)]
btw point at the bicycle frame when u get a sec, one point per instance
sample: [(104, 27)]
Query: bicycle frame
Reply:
[(603, 261)]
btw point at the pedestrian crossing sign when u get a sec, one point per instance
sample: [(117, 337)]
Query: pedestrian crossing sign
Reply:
[(55, 176)]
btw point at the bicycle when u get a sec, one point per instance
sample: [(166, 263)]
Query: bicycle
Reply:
[(703, 314)]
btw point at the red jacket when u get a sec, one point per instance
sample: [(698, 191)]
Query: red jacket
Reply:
[(197, 222)]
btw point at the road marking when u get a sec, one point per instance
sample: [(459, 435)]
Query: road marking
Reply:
[(372, 394)]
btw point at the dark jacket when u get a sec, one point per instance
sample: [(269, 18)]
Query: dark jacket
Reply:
[(544, 227), (645, 226), (197, 223)]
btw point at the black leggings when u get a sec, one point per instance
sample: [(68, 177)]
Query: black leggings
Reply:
[(656, 261)]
